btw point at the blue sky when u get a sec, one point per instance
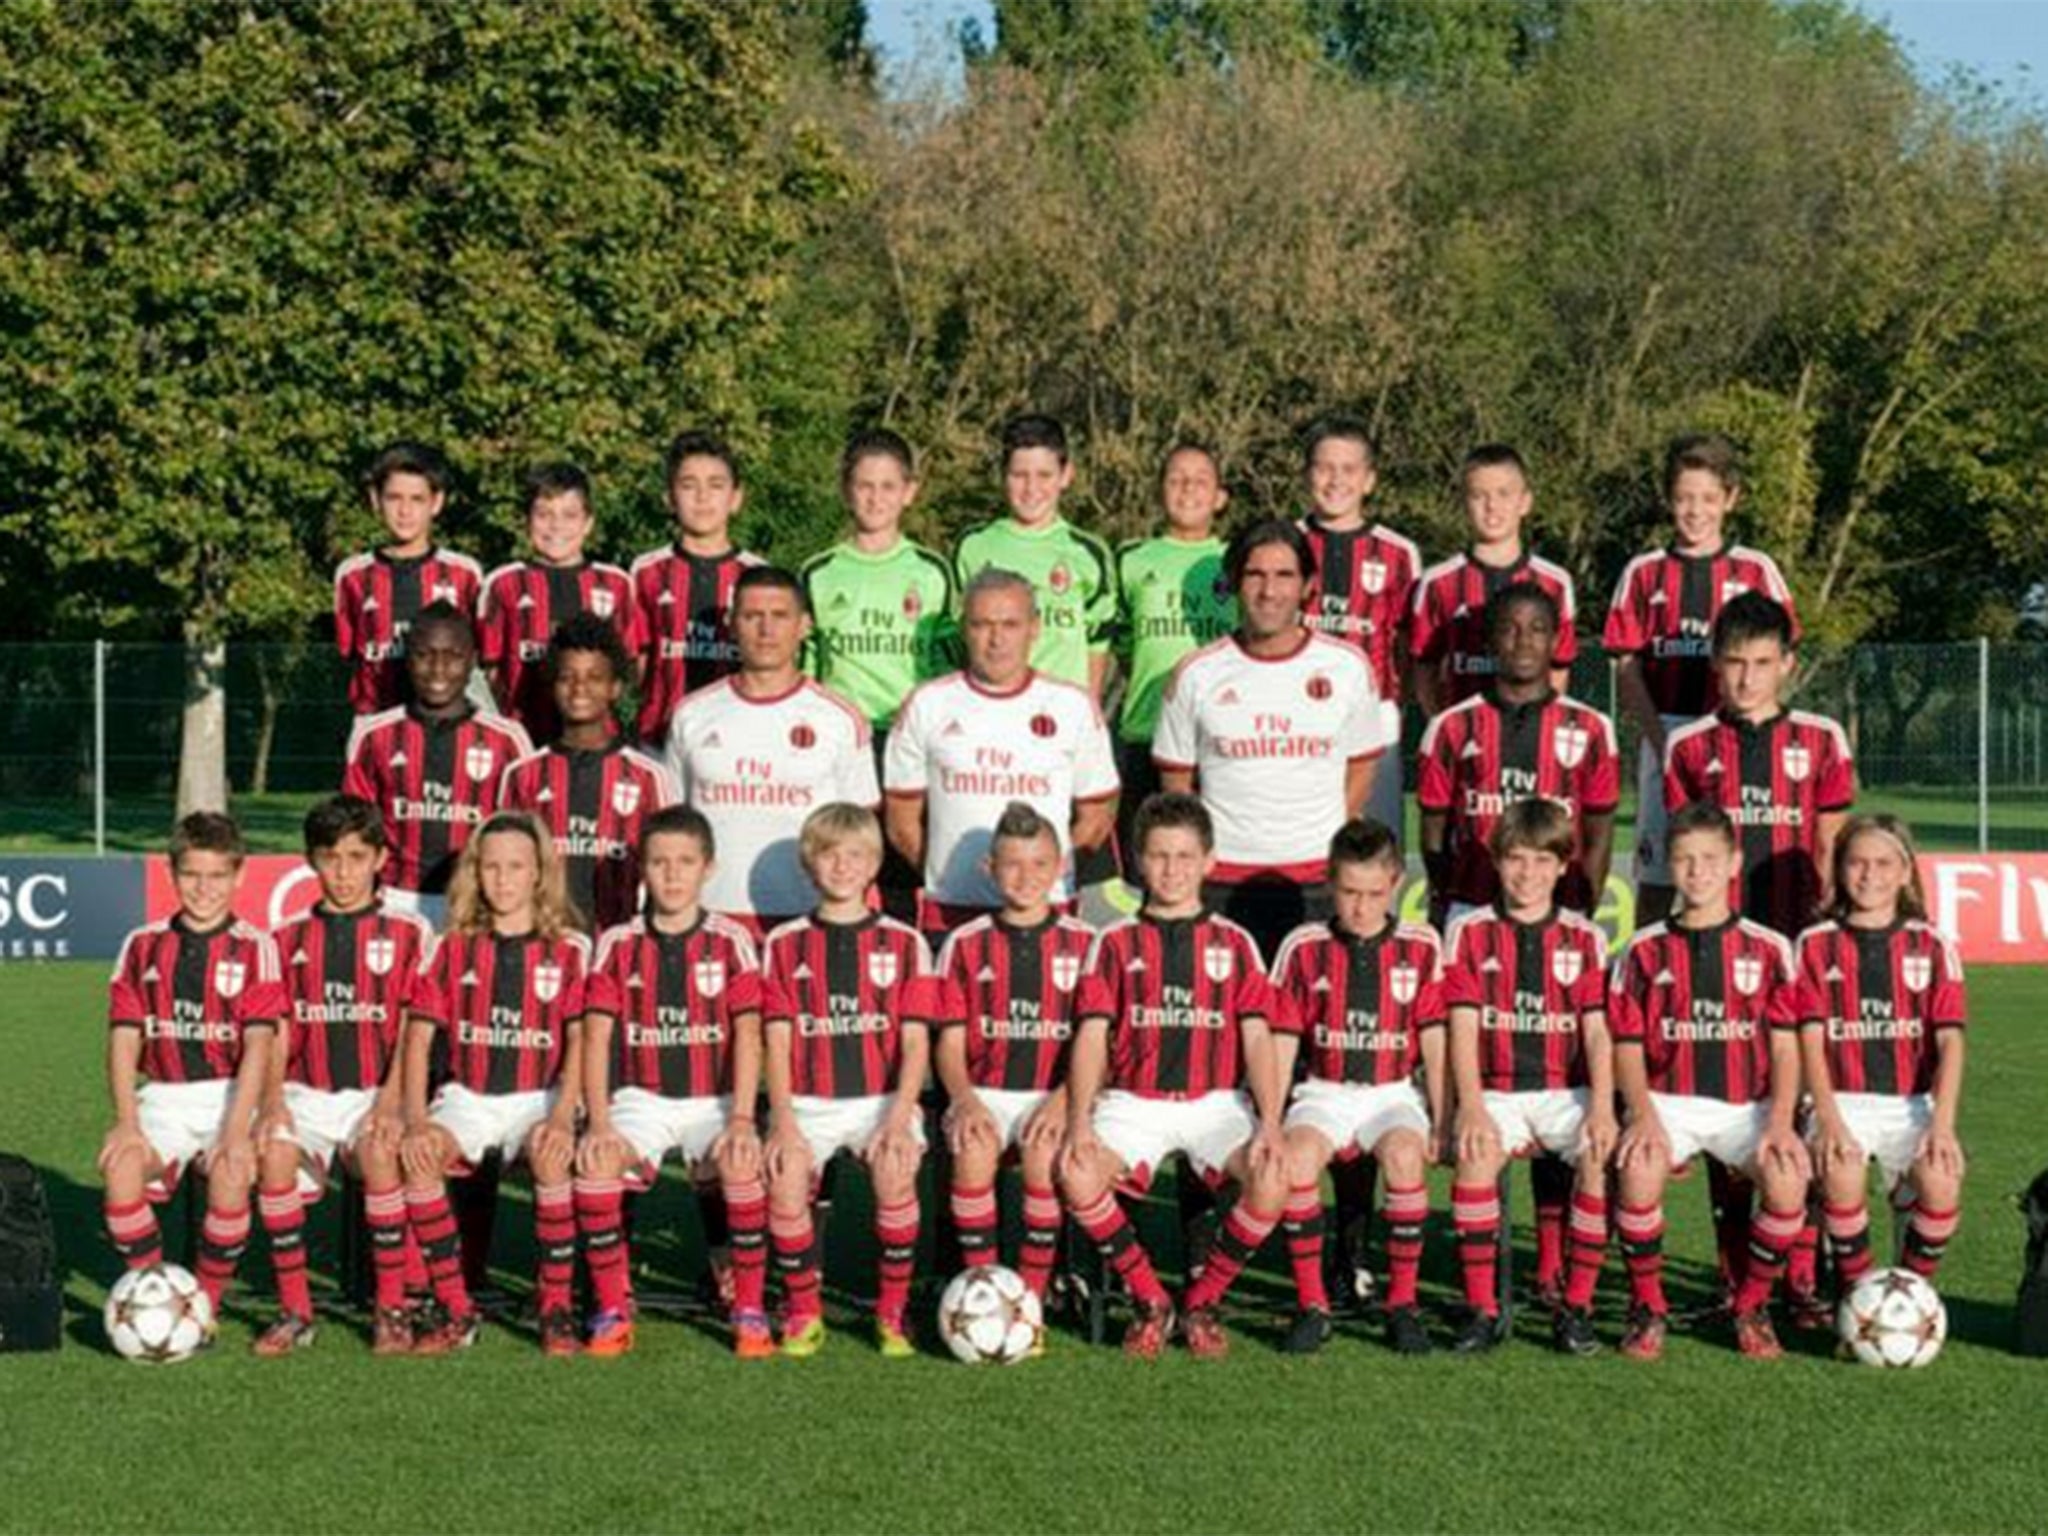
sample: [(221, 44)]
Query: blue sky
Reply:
[(2004, 40)]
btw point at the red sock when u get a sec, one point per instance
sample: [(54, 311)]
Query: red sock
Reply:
[(896, 1233), (1642, 1248), (1041, 1244), (1927, 1236), (433, 1223), (1802, 1264), (794, 1240), (1406, 1213), (746, 1207), (384, 1215), (222, 1237), (1771, 1235), (1111, 1231), (284, 1219), (974, 1221), (135, 1234), (1475, 1215), (1302, 1221), (416, 1280), (554, 1234), (601, 1218), (1588, 1248), (1550, 1191), (1244, 1232), (1849, 1239)]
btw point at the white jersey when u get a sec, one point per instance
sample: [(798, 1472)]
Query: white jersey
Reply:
[(756, 768), (970, 752), (1269, 741)]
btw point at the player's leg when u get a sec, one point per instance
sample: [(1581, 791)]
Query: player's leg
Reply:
[(1403, 1156), (1639, 1221), (598, 1190), (1261, 1198), (746, 1202), (377, 1168), (430, 1155), (893, 1171), (1551, 1181), (792, 1237), (1476, 1218), (224, 1233), (283, 1209), (552, 1161), (1089, 1182), (1586, 1251), (1731, 1198), (1772, 1231), (1309, 1151), (1038, 1159), (1936, 1211), (130, 1165), (971, 1199)]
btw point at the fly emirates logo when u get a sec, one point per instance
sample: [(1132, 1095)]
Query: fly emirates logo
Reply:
[(753, 782), (996, 771), (1275, 735)]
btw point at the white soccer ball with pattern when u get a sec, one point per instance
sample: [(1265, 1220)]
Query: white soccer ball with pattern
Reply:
[(1893, 1318), (158, 1315), (988, 1316)]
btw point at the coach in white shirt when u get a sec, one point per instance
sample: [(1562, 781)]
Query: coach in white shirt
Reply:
[(964, 746), (1279, 730)]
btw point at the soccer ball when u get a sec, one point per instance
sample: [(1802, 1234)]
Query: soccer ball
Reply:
[(988, 1316), (1892, 1318), (158, 1315)]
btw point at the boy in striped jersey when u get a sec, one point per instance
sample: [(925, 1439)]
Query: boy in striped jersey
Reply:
[(672, 1063), (1011, 981), (351, 969), (192, 1012)]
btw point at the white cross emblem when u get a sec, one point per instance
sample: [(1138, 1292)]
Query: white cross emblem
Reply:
[(602, 602), (710, 977), (379, 955), (1798, 763), (1918, 970), (882, 968), (1372, 575), (1218, 961), (1748, 972), (1567, 965), (1402, 981), (1571, 742), (547, 982), (626, 797), (1066, 971), (478, 761), (228, 977)]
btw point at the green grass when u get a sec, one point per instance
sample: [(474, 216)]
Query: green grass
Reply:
[(680, 1435)]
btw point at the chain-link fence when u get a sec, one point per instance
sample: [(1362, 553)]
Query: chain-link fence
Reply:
[(1954, 737)]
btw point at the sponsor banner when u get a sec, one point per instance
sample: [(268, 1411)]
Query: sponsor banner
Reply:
[(276, 887), (1994, 905), (54, 907)]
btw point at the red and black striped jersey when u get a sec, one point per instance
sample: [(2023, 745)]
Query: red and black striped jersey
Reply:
[(594, 803), (435, 781), (1176, 992), (686, 617), (1664, 610), (1014, 991), (676, 999), (194, 995), (1366, 579), (1481, 756), (1448, 625), (522, 606), (1532, 984), (350, 977), (1879, 996), (1360, 1005), (376, 598), (1702, 1003), (847, 991), (504, 1003), (1775, 780)]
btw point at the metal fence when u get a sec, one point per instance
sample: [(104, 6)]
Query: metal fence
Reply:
[(1955, 737)]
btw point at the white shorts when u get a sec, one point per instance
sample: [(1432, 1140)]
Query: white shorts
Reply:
[(483, 1123), (1144, 1132), (1387, 802), (181, 1122), (1722, 1130), (1012, 1109), (324, 1123), (1344, 1113), (1889, 1127), (844, 1125), (1653, 858), (1546, 1119), (654, 1126)]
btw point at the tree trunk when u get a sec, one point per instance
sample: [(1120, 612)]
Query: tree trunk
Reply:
[(271, 698), (203, 744)]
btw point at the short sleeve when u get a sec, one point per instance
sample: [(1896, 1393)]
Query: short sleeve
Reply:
[(1589, 992), (856, 774), (1095, 776), (263, 1002), (1100, 995), (1567, 650), (1625, 634), (1364, 734), (1427, 631), (1949, 1007), (1602, 792), (126, 1003), (1435, 779), (1837, 788), (1174, 743), (904, 767)]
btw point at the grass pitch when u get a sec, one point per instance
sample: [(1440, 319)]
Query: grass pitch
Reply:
[(681, 1436)]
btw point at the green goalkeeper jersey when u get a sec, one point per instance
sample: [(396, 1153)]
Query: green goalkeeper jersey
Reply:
[(1072, 573), (1171, 599), (880, 624)]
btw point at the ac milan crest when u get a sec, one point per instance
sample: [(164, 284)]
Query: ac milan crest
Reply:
[(1066, 972), (802, 737), (228, 977), (1402, 982), (1918, 972), (1567, 965), (710, 976), (913, 605), (547, 982), (1218, 962), (1372, 575), (1748, 972), (602, 602), (1798, 763), (1061, 578), (478, 762), (1570, 743), (882, 970), (1044, 725), (1318, 686), (626, 796), (380, 955)]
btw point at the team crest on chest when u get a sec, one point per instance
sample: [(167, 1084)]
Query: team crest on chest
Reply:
[(1402, 982), (1319, 686), (228, 977), (1798, 763), (602, 602), (1372, 575), (1748, 973), (710, 976), (882, 969), (1044, 725), (547, 982), (1570, 742), (1567, 965), (802, 737), (1061, 578), (1218, 963), (1066, 971), (626, 796), (1918, 972), (913, 605), (379, 955), (478, 762)]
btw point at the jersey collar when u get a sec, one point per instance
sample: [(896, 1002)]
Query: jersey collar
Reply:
[(1307, 635), (1030, 676)]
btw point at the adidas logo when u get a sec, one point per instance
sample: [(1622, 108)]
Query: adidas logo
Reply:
[(1713, 768), (545, 796), (1658, 600), (371, 605), (469, 979), (1471, 750), (841, 600), (634, 983), (987, 973), (801, 973), (398, 759), (1227, 696), (1834, 973), (953, 729), (666, 600), (1663, 979), (1489, 966), (526, 600), (714, 740), (1137, 964), (1322, 984), (149, 977), (298, 958)]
